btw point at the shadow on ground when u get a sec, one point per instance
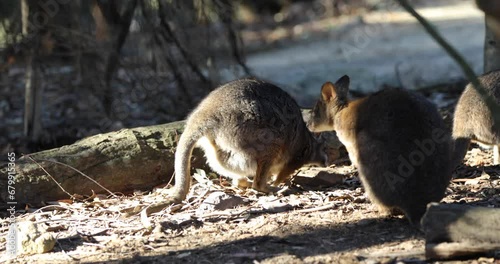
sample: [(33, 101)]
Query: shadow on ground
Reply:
[(308, 243)]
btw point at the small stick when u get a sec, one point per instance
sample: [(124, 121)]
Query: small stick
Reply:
[(48, 174), (315, 209), (81, 173)]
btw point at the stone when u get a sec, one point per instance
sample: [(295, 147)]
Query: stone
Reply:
[(33, 238)]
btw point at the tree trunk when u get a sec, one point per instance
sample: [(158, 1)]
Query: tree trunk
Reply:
[(112, 29), (491, 10), (492, 44), (33, 92), (453, 230), (76, 7)]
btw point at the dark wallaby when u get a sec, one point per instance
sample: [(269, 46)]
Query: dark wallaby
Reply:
[(473, 119), (247, 129), (396, 139)]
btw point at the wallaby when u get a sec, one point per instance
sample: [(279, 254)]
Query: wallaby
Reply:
[(473, 119), (396, 139), (247, 129)]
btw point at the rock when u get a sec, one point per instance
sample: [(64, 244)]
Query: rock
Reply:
[(277, 207), (33, 239), (219, 201), (315, 177)]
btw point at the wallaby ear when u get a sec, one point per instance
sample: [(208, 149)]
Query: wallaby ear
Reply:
[(327, 91), (342, 85), (338, 90)]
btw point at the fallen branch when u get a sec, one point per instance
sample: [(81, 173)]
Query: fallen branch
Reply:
[(458, 250), (122, 161)]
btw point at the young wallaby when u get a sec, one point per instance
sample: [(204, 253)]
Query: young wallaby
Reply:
[(247, 129), (473, 119), (396, 139)]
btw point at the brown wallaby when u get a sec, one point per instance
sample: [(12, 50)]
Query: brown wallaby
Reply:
[(396, 139), (473, 119), (247, 129)]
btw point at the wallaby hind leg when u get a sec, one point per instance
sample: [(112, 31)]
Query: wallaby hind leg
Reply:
[(496, 155), (415, 214), (283, 176), (261, 177), (385, 211)]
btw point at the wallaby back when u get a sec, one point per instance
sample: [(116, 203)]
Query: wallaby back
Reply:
[(473, 119), (247, 128), (397, 140)]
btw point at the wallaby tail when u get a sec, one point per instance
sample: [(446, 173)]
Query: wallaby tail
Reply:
[(183, 162)]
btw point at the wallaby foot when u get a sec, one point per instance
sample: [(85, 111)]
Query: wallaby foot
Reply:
[(414, 215), (388, 211), (261, 176), (268, 190), (241, 182), (283, 176)]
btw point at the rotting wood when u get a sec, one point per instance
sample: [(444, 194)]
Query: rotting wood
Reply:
[(453, 230), (122, 161), (456, 250)]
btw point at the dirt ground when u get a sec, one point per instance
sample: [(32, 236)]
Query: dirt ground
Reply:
[(335, 224)]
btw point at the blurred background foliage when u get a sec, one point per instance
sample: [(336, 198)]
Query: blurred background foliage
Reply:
[(70, 69)]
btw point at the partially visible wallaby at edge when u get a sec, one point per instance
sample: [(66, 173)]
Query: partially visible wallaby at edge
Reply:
[(247, 129), (473, 119), (396, 139)]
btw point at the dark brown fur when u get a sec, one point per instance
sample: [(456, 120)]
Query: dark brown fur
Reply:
[(384, 134)]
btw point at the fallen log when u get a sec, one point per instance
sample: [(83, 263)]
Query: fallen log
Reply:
[(121, 161), (453, 230)]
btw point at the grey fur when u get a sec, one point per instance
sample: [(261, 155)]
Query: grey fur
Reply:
[(250, 129)]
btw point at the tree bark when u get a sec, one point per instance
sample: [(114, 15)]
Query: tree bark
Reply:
[(121, 161), (112, 29), (491, 10), (453, 230), (33, 92), (76, 7), (492, 44)]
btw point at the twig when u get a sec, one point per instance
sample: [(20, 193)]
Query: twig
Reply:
[(50, 176), (226, 214), (74, 169), (171, 179), (315, 209), (55, 206)]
